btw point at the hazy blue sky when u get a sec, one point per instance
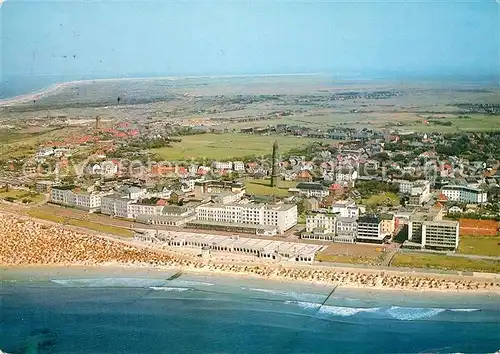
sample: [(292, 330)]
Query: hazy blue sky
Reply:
[(112, 39)]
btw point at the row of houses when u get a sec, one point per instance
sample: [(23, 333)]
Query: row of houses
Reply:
[(332, 225)]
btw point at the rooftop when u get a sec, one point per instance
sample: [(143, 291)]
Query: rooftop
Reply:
[(284, 248)]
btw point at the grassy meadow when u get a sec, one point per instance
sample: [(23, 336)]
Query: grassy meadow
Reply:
[(439, 261), (480, 245), (263, 187), (228, 146), (109, 229), (20, 195)]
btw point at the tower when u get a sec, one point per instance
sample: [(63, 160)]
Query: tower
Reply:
[(275, 175), (97, 122)]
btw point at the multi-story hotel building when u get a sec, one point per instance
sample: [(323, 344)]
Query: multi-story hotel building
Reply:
[(116, 205), (76, 198), (465, 194), (370, 229), (323, 221), (282, 216), (345, 209), (443, 234)]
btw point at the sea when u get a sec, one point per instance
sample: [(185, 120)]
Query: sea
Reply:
[(104, 312)]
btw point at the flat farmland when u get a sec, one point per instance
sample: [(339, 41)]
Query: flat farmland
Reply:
[(229, 146)]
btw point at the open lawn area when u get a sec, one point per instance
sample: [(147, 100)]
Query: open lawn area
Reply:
[(109, 229), (386, 199), (22, 196), (481, 245), (438, 261), (228, 146), (263, 187)]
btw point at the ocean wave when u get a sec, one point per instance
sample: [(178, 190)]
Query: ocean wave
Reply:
[(168, 288), (304, 304), (413, 313), (292, 294), (109, 282), (345, 311), (464, 310), (396, 312), (189, 282)]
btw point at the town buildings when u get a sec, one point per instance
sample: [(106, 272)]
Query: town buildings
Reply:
[(321, 221), (279, 216), (269, 249), (345, 209), (222, 165), (370, 229), (465, 194), (76, 197), (212, 186), (443, 234), (310, 190)]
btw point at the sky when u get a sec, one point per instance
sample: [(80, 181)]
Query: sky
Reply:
[(66, 40)]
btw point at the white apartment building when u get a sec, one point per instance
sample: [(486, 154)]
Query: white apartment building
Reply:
[(345, 209), (442, 234), (346, 175), (346, 226), (190, 182), (219, 165), (238, 166), (465, 194), (116, 205), (44, 152), (283, 216), (75, 198), (413, 187), (133, 192), (310, 189), (323, 221), (136, 209)]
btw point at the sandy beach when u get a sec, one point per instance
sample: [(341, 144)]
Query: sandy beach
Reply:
[(53, 89), (26, 242)]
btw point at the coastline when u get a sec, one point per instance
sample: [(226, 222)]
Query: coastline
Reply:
[(29, 243), (59, 86)]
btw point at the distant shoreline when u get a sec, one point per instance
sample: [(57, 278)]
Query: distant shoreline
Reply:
[(59, 86), (350, 78)]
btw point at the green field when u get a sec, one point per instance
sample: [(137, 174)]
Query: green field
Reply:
[(386, 199), (438, 261), (263, 187), (480, 245), (20, 195), (348, 259), (228, 146), (475, 123), (109, 229)]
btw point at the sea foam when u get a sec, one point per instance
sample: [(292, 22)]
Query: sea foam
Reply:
[(168, 288), (292, 294), (345, 311), (395, 312), (109, 282), (189, 283), (413, 313)]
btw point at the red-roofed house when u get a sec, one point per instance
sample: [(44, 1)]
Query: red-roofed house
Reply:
[(442, 198), (336, 189), (304, 176)]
